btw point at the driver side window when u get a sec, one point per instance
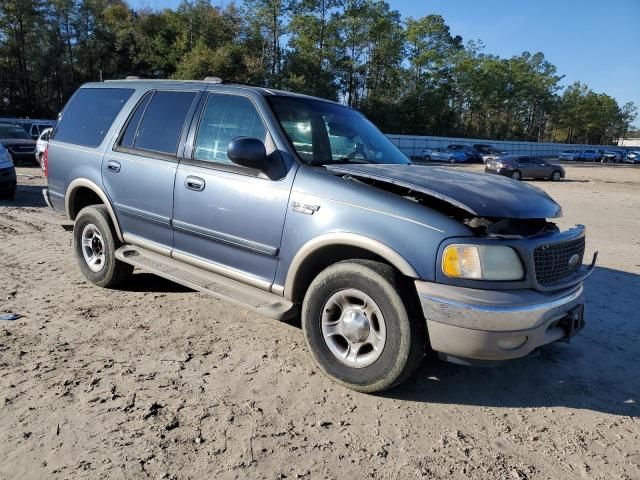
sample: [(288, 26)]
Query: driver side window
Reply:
[(224, 118)]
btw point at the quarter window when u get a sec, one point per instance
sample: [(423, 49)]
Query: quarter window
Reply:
[(161, 126), (226, 117), (89, 114)]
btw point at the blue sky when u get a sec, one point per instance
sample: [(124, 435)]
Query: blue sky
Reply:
[(594, 41)]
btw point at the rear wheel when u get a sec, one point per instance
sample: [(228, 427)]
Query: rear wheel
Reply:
[(516, 175), (427, 158), (362, 326), (556, 176), (452, 160), (95, 244)]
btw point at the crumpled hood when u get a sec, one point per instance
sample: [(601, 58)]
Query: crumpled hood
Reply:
[(482, 195)]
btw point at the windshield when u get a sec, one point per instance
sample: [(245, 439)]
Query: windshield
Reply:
[(9, 131), (324, 133)]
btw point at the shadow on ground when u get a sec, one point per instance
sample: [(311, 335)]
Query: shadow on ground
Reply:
[(599, 369), (26, 196), (148, 282)]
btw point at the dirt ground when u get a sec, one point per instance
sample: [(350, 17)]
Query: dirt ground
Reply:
[(156, 381)]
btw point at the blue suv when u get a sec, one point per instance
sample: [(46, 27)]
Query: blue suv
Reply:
[(291, 205)]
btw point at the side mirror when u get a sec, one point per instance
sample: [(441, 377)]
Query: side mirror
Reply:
[(248, 152)]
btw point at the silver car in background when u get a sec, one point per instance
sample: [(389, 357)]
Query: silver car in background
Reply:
[(569, 155), (443, 155)]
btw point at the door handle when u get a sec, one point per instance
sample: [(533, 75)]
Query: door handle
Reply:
[(194, 183), (113, 166)]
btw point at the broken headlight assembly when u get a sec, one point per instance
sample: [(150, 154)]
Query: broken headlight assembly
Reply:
[(482, 262)]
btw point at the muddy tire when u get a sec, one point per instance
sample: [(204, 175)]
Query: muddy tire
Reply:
[(363, 326), (95, 244)]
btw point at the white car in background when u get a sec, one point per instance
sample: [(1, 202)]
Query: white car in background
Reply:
[(41, 144)]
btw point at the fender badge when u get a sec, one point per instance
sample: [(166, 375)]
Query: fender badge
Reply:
[(305, 208)]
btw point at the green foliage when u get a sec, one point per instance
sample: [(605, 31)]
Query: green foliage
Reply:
[(412, 76)]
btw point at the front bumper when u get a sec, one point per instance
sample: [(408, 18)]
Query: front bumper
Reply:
[(485, 326)]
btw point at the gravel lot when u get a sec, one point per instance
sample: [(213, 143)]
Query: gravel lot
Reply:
[(156, 381)]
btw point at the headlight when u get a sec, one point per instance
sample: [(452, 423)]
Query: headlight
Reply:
[(482, 262)]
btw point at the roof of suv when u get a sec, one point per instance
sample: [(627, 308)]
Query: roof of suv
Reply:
[(160, 83)]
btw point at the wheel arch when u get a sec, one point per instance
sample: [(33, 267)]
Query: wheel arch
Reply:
[(80, 193), (317, 254)]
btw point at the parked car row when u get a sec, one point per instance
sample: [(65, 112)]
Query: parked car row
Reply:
[(454, 153), (33, 127), (23, 148), (613, 155)]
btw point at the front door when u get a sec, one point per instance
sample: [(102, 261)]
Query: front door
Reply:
[(227, 218)]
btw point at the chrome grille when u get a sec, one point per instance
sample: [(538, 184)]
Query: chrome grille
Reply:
[(552, 262)]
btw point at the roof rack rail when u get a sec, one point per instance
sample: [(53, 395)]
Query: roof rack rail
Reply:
[(222, 81)]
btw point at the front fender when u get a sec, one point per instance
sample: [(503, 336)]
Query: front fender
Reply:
[(325, 210)]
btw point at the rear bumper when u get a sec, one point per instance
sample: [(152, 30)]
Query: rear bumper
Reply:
[(484, 326)]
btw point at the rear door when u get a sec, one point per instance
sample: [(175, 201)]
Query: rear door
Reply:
[(139, 171), (524, 165), (539, 169), (228, 218)]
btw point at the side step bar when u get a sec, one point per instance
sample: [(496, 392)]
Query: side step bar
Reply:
[(222, 288)]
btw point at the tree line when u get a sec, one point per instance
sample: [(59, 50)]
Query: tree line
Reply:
[(410, 76)]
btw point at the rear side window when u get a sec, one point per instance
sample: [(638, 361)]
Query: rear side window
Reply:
[(161, 126), (89, 114), (226, 117)]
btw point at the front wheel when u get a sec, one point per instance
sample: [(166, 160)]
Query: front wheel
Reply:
[(427, 158), (556, 176), (95, 245), (516, 175), (362, 326), (452, 160)]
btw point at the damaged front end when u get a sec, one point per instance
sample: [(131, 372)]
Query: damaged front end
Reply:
[(482, 307)]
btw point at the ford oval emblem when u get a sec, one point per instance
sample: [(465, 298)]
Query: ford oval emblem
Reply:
[(574, 259)]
